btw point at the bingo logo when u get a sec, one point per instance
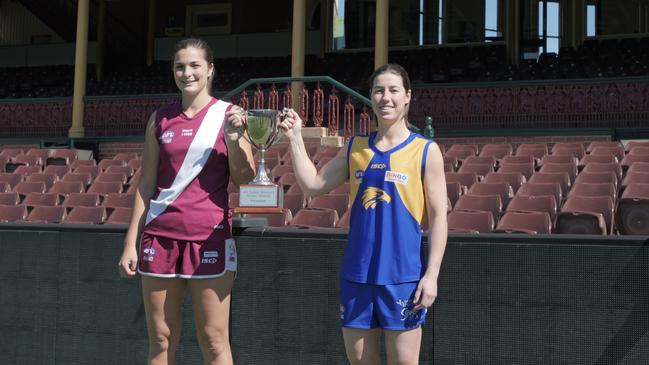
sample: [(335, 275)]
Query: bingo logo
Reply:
[(379, 166), (396, 177), (167, 136), (358, 174), (210, 257)]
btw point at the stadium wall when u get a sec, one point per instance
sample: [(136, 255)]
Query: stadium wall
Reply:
[(503, 299)]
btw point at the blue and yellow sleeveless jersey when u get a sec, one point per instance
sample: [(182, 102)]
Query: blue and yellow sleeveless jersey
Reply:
[(387, 195)]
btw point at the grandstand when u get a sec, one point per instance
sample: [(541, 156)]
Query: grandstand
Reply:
[(546, 156)]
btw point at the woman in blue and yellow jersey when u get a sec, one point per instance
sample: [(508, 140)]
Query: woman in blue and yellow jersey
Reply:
[(396, 181)]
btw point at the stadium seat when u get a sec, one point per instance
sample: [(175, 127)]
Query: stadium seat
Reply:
[(47, 214), (488, 203), (525, 222), (315, 218), (635, 177), (3, 163), (464, 221), (294, 202), (452, 162), (479, 169), (604, 167), (533, 203), (609, 151), (84, 178), (274, 219), (23, 188), (287, 180), (82, 200), (558, 159), (597, 177), (343, 222), (596, 158), (294, 189), (86, 215), (120, 215), (67, 187), (631, 144), (553, 177), (534, 150), (502, 189), (125, 157), (465, 179), (46, 199), (77, 163), (453, 192), (639, 167), (460, 154), (126, 170), (341, 189), (57, 170), (465, 147), (481, 160), (337, 202), (569, 168), (109, 177), (62, 156), (11, 178), (135, 164), (40, 154), (595, 144), (639, 150), (594, 189), (569, 148), (105, 188), (585, 215), (632, 213), (541, 189), (279, 170), (11, 152), (9, 198), (116, 200), (515, 179), (48, 179), (13, 213), (525, 169), (496, 150), (103, 164), (27, 170), (27, 160), (5, 187), (629, 160)]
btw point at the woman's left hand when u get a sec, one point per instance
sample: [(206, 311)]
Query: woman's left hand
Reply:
[(234, 128), (426, 292)]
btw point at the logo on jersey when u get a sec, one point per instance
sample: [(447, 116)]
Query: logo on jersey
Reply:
[(372, 196), (167, 136), (187, 132), (210, 257), (396, 177), (358, 174), (379, 166), (342, 312)]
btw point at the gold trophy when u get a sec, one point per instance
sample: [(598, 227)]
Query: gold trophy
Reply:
[(261, 195)]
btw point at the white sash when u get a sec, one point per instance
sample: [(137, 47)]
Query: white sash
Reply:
[(194, 161)]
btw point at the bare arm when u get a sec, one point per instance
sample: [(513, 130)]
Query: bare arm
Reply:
[(436, 200), (312, 181), (143, 194), (240, 158)]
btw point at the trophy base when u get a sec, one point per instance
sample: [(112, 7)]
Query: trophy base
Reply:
[(254, 198)]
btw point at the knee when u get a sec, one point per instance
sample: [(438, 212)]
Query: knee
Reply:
[(161, 343), (214, 342), (363, 358)]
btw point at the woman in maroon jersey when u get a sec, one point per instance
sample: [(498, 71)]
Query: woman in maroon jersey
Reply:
[(180, 216)]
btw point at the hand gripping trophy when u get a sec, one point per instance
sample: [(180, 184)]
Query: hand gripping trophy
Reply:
[(261, 195)]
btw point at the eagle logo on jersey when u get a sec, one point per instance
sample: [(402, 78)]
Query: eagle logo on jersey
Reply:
[(372, 195)]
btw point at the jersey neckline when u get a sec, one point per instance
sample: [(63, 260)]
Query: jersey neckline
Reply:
[(372, 136)]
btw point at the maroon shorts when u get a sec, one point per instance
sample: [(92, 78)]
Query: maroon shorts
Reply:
[(169, 258)]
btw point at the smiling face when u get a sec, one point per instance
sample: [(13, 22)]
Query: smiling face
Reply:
[(192, 72), (390, 98)]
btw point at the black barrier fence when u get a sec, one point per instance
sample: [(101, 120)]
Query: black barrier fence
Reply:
[(503, 299)]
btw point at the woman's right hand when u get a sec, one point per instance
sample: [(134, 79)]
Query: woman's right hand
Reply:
[(291, 124), (128, 263)]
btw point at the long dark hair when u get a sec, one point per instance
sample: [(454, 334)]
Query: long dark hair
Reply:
[(207, 51), (399, 71)]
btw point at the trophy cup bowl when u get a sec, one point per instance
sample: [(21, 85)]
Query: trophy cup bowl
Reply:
[(261, 194)]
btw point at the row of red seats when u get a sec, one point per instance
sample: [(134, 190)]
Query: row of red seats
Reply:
[(23, 213)]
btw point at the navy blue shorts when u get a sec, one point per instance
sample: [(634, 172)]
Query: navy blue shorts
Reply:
[(390, 307)]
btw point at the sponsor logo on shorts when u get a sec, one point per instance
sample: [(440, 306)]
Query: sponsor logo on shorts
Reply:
[(342, 312), (407, 309), (218, 226), (396, 177), (187, 132), (167, 137), (149, 252), (210, 257)]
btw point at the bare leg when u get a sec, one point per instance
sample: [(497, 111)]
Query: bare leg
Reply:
[(402, 347), (362, 345), (163, 300), (211, 299)]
